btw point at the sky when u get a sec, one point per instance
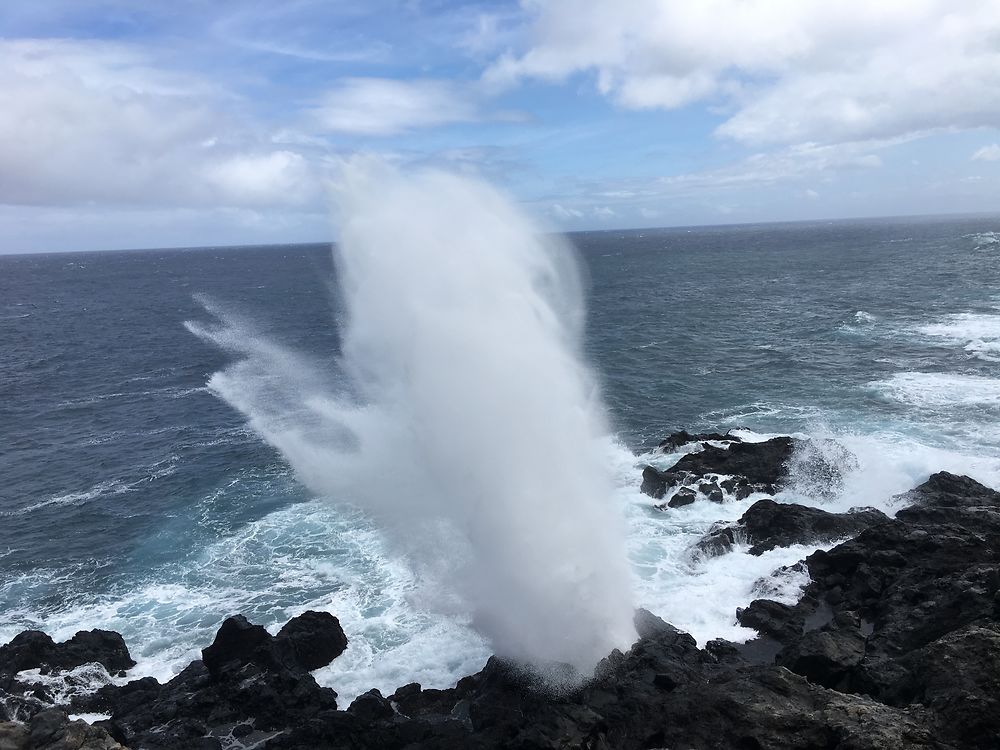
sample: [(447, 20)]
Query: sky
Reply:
[(210, 122)]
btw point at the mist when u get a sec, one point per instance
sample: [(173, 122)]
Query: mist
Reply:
[(459, 414)]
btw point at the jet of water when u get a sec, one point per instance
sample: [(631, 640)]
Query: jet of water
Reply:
[(460, 414)]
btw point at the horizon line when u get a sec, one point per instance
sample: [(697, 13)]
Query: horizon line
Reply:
[(244, 246)]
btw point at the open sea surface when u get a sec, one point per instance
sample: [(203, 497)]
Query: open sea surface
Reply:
[(133, 499)]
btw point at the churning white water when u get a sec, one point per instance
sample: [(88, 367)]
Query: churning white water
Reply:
[(459, 414)]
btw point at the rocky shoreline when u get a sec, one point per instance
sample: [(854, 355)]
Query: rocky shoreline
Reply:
[(895, 643)]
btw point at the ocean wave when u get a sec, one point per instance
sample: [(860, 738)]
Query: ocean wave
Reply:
[(861, 322), (168, 392), (107, 488), (982, 240), (935, 390), (977, 333)]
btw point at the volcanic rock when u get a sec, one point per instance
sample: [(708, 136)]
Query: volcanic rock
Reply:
[(681, 438), (33, 649), (768, 524)]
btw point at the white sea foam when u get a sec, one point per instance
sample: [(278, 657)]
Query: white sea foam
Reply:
[(940, 389), (977, 333), (461, 418), (983, 240)]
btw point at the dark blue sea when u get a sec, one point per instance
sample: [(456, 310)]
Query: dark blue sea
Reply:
[(133, 498)]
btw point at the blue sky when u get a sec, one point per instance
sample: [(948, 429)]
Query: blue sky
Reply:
[(197, 122)]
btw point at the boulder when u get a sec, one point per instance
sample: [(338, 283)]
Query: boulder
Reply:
[(763, 465), (681, 438), (768, 524), (33, 649), (314, 638), (307, 642)]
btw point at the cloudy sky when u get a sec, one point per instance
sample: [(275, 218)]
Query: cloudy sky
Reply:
[(198, 122)]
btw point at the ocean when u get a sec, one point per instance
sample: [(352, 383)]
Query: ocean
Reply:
[(134, 499)]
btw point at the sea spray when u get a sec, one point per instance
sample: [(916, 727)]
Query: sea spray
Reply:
[(458, 413)]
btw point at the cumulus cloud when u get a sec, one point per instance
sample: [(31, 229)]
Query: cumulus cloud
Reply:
[(99, 123), (784, 71), (987, 153)]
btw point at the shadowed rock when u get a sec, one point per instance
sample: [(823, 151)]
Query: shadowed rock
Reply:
[(768, 524), (33, 649)]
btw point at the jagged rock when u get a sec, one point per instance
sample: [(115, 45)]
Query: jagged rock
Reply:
[(907, 612), (903, 621), (762, 464), (655, 483), (947, 490), (740, 468), (371, 706), (314, 638), (682, 497), (237, 643), (681, 438), (33, 650), (307, 642), (768, 524), (52, 730)]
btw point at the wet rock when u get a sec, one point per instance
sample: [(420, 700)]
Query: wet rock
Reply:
[(371, 706), (682, 497), (655, 483), (907, 612), (768, 524), (314, 638), (712, 491), (33, 650), (681, 438), (946, 490), (237, 643)]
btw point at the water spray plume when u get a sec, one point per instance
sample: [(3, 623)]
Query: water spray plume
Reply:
[(460, 414)]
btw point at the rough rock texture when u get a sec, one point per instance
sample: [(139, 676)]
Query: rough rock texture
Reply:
[(679, 439), (895, 644), (33, 650), (768, 524), (52, 730), (739, 469), (307, 642), (907, 612)]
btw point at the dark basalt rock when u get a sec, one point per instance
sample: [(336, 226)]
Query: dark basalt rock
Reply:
[(681, 438), (52, 730), (894, 644), (307, 642), (945, 490), (768, 466), (314, 638), (907, 612), (33, 650), (768, 524), (682, 497), (762, 464)]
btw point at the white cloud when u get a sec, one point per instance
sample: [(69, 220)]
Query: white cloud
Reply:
[(787, 71), (386, 106), (562, 213), (97, 123), (988, 153)]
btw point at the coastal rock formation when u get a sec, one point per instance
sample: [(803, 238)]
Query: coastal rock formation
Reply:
[(738, 469), (768, 524), (907, 612), (33, 649), (894, 644)]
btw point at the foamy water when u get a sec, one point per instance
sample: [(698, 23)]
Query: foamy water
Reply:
[(208, 521)]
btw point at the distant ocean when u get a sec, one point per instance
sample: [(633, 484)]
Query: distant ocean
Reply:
[(133, 499)]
